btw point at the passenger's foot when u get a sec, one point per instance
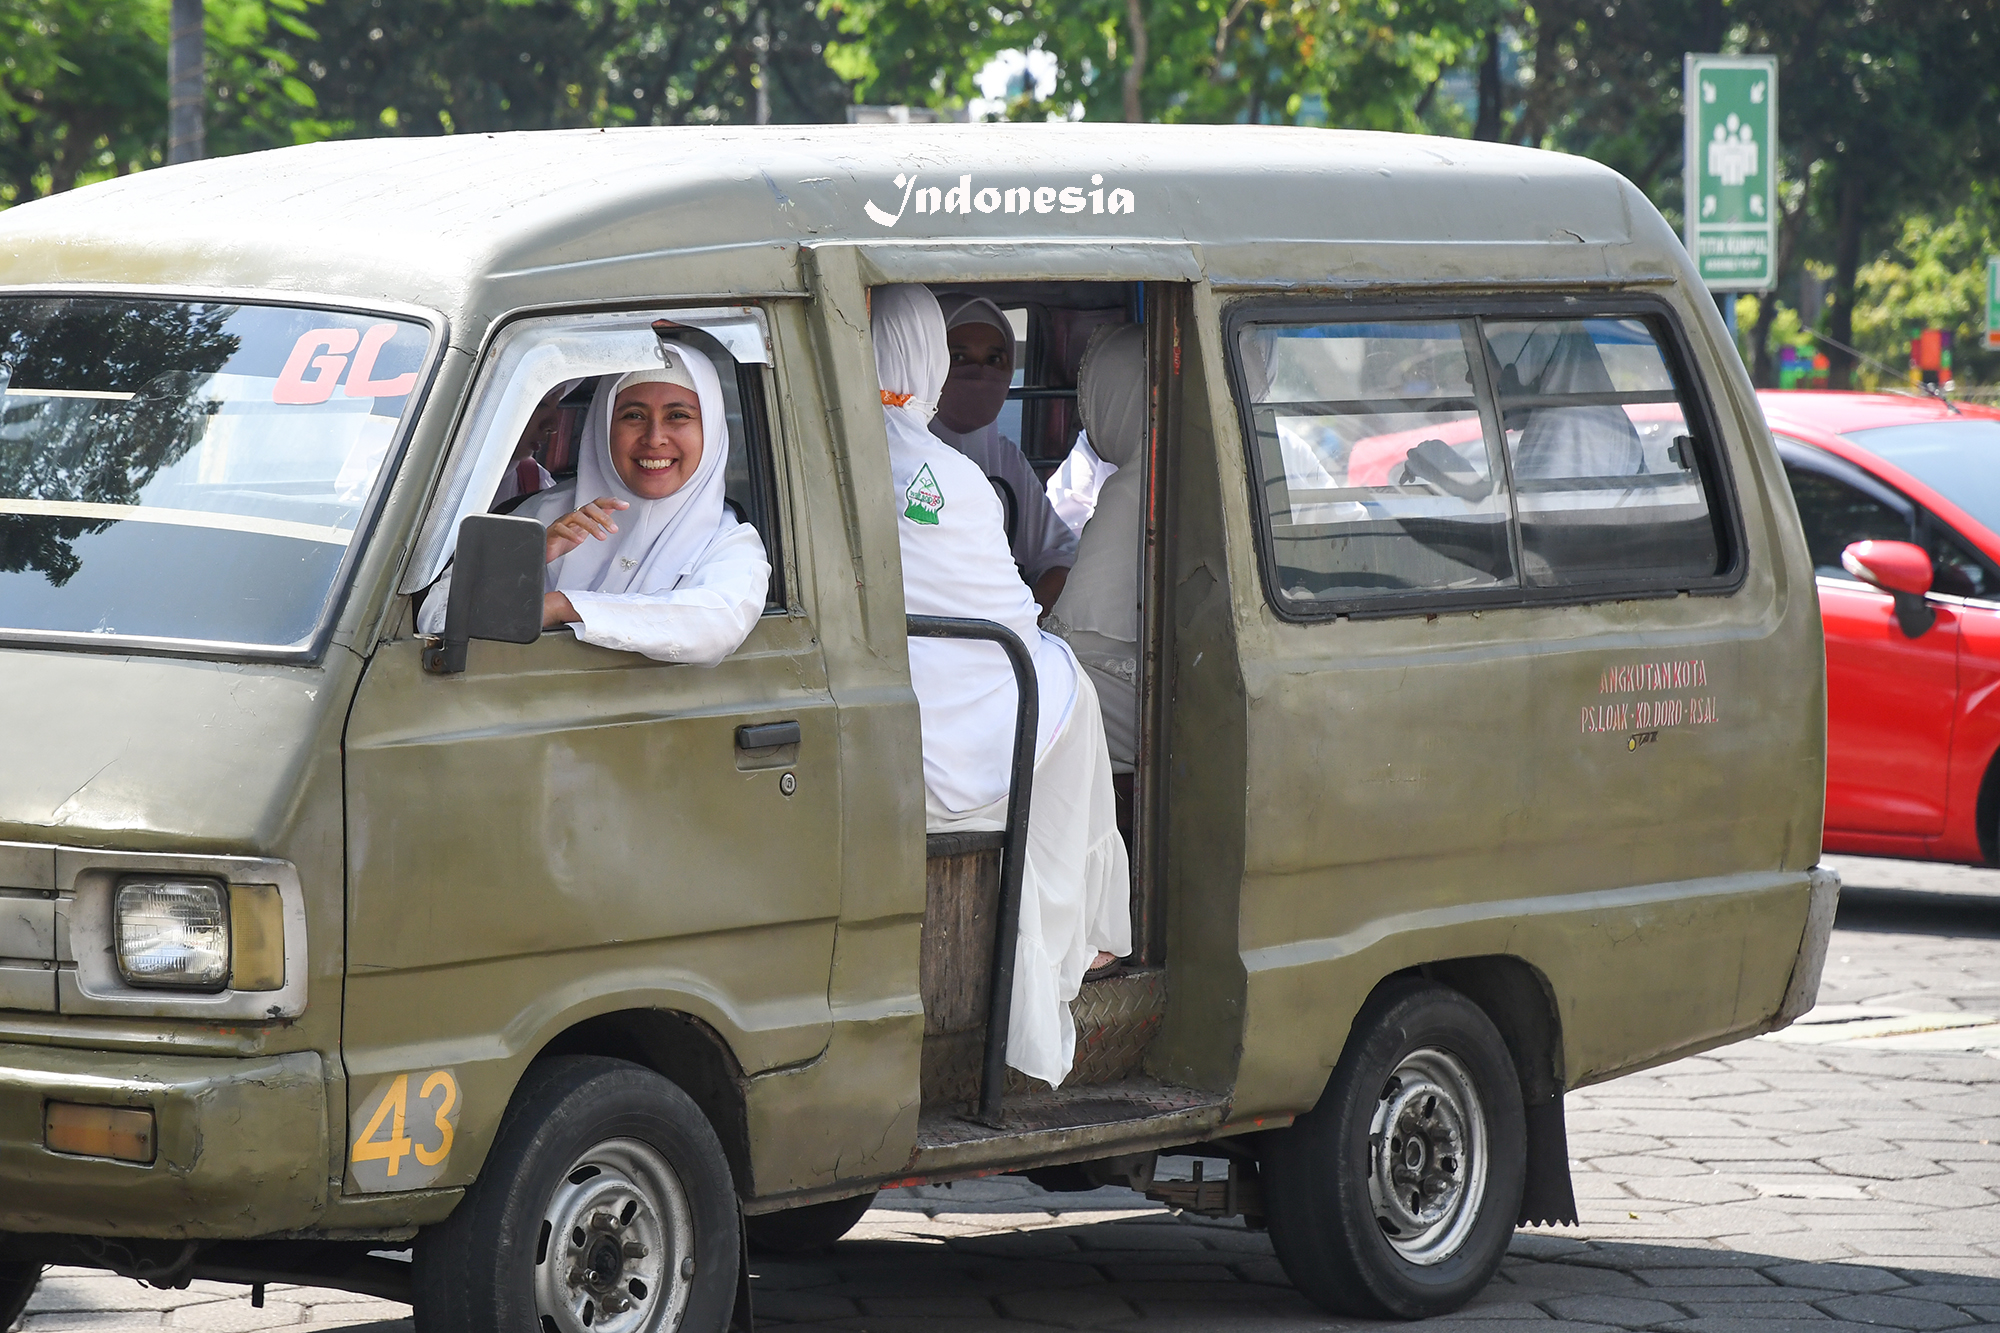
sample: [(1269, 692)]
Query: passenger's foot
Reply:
[(1103, 967)]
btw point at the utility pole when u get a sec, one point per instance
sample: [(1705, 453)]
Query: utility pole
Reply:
[(187, 90)]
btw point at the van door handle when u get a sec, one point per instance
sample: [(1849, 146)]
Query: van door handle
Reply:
[(767, 735)]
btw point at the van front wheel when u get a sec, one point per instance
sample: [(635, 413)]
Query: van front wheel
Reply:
[(1395, 1197), (605, 1207), (17, 1288)]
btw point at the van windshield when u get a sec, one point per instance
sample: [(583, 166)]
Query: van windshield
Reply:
[(189, 471)]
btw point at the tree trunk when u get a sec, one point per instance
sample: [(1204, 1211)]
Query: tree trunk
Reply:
[(1846, 263), (1761, 373), (185, 51), (1487, 125), (1135, 66), (1708, 28)]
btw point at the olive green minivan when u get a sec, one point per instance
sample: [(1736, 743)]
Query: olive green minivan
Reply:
[(1480, 744)]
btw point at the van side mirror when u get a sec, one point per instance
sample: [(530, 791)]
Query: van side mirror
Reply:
[(1901, 569), (496, 588)]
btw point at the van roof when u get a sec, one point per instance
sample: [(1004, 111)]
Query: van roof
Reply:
[(424, 219)]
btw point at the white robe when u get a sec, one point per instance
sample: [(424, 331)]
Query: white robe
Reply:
[(1076, 881)]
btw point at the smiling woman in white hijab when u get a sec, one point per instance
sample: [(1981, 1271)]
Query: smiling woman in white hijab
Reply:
[(653, 562), (1099, 609), (1076, 884)]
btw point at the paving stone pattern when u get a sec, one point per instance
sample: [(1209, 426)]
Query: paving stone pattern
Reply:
[(1829, 1179)]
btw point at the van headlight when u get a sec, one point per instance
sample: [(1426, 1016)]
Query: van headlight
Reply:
[(172, 933)]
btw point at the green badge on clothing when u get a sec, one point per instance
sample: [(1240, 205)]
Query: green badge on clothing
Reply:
[(925, 499)]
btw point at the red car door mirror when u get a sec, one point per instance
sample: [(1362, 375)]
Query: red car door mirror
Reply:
[(1904, 572), (1890, 566)]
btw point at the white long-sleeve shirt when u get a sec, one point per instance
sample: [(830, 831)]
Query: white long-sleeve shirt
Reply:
[(700, 621)]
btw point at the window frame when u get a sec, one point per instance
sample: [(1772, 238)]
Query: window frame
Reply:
[(753, 391), (1712, 459), (449, 495)]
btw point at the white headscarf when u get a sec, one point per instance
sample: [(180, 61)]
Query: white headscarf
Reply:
[(658, 541), (952, 531), (1102, 594)]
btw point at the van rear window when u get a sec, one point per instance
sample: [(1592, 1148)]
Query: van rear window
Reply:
[(1486, 458), (190, 472)]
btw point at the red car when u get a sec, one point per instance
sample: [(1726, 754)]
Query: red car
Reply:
[(1900, 499)]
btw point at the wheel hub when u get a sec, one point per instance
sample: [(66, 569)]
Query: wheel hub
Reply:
[(616, 1253), (1427, 1149)]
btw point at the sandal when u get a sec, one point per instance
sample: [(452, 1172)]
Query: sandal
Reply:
[(1105, 971)]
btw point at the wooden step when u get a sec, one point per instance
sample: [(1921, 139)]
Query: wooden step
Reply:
[(1116, 1019)]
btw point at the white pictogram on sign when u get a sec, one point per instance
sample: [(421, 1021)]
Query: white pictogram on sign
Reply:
[(1732, 153)]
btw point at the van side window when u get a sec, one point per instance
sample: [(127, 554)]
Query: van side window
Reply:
[(1473, 458), (1376, 470), (1591, 419)]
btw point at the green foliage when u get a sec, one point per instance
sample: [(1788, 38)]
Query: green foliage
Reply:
[(1933, 276), (1361, 63), (463, 66), (83, 92), (1890, 109)]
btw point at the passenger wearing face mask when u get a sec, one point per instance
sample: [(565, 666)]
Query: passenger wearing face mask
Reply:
[(981, 343)]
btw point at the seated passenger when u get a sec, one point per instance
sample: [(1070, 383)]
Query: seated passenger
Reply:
[(655, 563), (525, 473), (1098, 612), (1076, 886), (981, 343), (1566, 442)]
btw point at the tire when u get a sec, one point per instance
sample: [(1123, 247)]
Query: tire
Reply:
[(1419, 1229), (606, 1191), (17, 1288), (813, 1227)]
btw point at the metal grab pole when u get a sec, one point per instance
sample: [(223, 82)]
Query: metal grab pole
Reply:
[(1007, 921)]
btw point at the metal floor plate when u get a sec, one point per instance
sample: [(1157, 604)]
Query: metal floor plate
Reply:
[(1067, 1109)]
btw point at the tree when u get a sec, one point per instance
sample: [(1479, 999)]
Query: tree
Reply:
[(1364, 63), (462, 66), (83, 94)]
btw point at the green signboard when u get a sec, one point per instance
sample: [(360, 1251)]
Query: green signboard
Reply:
[(1732, 177), (1993, 303)]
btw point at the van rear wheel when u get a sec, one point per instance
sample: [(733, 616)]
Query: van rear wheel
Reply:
[(1395, 1197), (606, 1206)]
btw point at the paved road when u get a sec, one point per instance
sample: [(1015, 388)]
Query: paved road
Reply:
[(1844, 1175)]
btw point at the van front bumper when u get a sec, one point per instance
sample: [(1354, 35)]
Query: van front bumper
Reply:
[(240, 1146)]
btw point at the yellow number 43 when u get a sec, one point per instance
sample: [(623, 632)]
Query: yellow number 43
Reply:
[(394, 1109)]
